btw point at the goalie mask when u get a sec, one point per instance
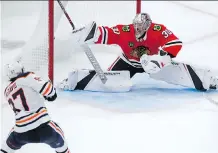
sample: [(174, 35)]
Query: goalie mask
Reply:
[(141, 23)]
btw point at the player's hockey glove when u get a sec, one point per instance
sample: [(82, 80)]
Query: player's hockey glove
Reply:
[(51, 98)]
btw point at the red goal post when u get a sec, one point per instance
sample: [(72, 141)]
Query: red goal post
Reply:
[(51, 40), (138, 6)]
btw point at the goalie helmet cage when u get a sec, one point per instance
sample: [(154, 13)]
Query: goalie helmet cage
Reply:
[(38, 53)]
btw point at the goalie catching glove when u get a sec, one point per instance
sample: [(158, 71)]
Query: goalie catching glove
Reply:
[(154, 63), (88, 34)]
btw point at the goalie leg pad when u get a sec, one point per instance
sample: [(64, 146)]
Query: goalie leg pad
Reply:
[(118, 81), (70, 82), (185, 75)]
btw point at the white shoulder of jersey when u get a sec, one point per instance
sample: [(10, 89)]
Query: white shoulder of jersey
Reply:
[(36, 83)]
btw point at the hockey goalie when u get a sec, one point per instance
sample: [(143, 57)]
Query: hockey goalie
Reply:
[(147, 47)]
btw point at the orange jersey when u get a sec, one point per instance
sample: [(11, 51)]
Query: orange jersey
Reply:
[(124, 35)]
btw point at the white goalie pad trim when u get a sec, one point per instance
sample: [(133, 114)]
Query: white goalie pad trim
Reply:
[(118, 81)]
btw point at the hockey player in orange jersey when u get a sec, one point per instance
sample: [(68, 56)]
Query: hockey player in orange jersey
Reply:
[(147, 47), (26, 94)]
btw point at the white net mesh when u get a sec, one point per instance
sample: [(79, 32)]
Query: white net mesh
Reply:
[(34, 55)]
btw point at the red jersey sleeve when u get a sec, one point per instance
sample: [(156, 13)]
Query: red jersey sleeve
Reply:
[(169, 42), (109, 35)]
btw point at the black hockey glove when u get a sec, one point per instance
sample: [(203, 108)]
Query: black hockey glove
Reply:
[(163, 53), (52, 98)]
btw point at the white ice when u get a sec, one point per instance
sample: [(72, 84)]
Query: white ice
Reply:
[(154, 117)]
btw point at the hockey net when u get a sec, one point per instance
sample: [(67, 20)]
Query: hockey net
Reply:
[(38, 55)]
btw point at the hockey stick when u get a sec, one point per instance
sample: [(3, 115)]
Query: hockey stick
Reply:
[(87, 50), (95, 63), (66, 14)]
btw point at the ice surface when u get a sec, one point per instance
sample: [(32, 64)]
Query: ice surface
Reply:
[(154, 116)]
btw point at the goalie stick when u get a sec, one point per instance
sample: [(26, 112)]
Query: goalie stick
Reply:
[(86, 48), (66, 14), (95, 63)]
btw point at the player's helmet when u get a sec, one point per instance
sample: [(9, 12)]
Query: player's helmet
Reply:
[(141, 23), (13, 70)]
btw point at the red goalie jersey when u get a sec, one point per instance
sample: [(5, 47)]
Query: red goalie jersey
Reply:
[(157, 37)]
